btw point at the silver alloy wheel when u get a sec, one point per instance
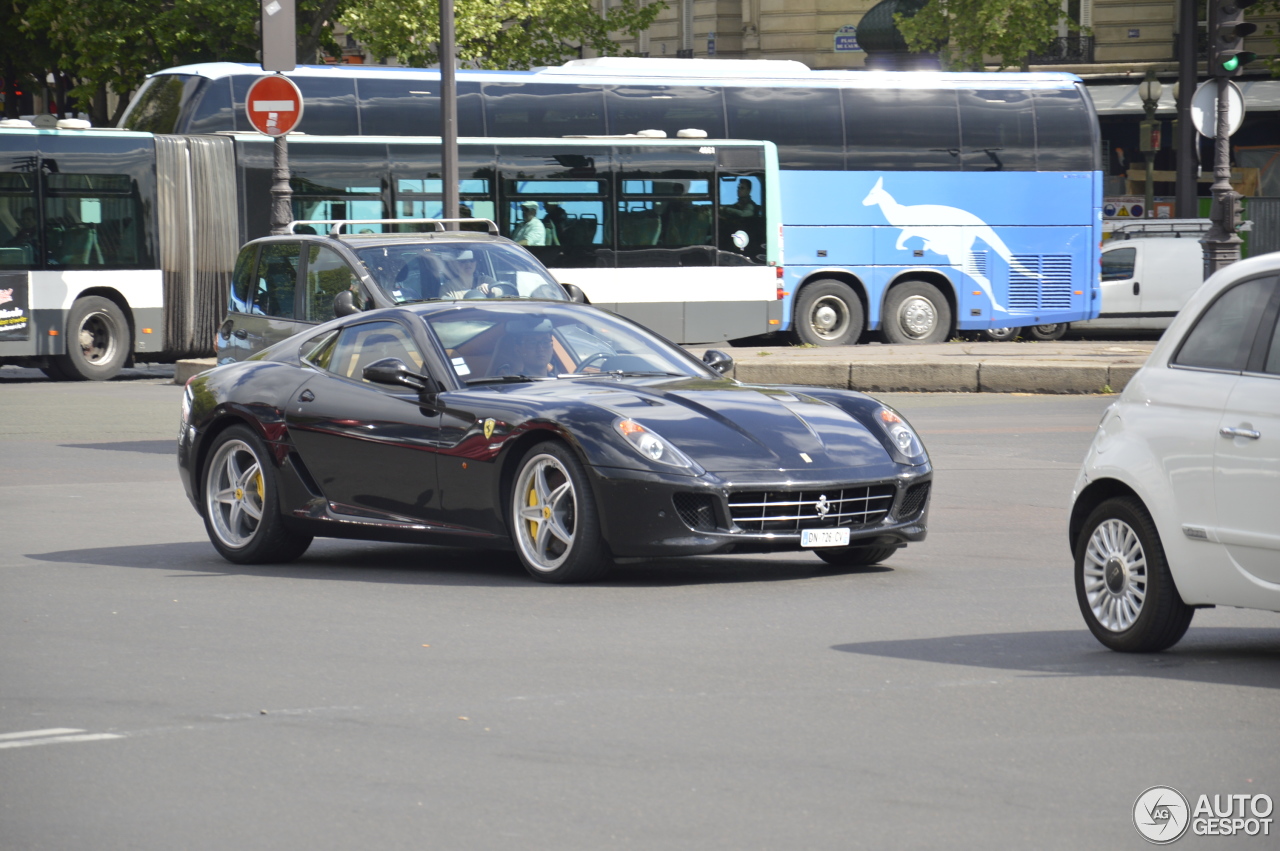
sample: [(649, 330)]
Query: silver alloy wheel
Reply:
[(1115, 575), (96, 338), (546, 505), (917, 316), (829, 317), (234, 493)]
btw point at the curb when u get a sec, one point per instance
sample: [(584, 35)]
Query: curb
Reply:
[(952, 377)]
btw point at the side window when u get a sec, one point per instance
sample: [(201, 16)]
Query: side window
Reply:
[(327, 275), (360, 345), (318, 351), (1272, 364), (1065, 132), (1117, 265), (1223, 335), (277, 278), (996, 130), (901, 129), (242, 289)]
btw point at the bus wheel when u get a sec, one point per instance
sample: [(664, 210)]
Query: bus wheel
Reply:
[(1000, 335), (97, 340), (916, 312), (1047, 333), (828, 313)]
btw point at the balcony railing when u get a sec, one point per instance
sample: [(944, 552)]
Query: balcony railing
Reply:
[(1070, 50)]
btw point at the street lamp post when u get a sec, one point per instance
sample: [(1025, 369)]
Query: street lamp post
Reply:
[(1150, 90)]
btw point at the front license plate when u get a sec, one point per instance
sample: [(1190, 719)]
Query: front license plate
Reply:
[(824, 537)]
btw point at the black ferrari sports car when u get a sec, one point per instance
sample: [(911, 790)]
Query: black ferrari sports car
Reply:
[(555, 429)]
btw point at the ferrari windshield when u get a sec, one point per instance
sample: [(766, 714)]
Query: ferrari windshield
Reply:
[(494, 343), (418, 271)]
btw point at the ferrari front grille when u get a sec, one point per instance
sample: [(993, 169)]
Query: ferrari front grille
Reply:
[(791, 511)]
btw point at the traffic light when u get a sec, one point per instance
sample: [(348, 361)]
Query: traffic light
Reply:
[(1227, 31)]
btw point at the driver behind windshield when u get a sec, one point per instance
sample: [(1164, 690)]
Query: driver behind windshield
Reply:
[(464, 277), (531, 350)]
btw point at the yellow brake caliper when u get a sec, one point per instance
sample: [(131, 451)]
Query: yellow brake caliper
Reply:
[(533, 524)]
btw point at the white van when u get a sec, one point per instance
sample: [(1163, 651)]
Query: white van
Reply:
[(1146, 281)]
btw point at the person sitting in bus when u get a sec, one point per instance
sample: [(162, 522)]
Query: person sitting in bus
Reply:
[(464, 278), (28, 229), (531, 348), (531, 230), (744, 207)]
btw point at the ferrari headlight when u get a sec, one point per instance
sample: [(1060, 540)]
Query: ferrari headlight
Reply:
[(651, 445), (900, 433)]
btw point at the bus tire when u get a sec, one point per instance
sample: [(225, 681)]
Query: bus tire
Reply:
[(916, 312), (97, 340), (828, 313), (1047, 333), (1000, 335)]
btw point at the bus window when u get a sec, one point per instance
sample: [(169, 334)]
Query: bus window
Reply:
[(330, 105), (412, 108), (213, 111), (338, 181), (533, 109), (158, 105), (19, 221), (418, 198), (667, 108), (804, 123), (93, 219), (1065, 131), (901, 130), (997, 132), (563, 222), (741, 230)]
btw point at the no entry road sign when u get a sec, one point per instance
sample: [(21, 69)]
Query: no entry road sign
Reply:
[(274, 105)]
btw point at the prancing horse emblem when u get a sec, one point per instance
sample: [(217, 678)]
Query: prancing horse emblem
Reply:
[(822, 506), (488, 427)]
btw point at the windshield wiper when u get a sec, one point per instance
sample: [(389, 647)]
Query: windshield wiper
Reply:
[(506, 379)]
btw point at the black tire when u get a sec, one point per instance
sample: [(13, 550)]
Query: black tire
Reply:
[(1047, 333), (916, 312), (553, 518), (97, 339), (54, 372), (855, 556), (1000, 335), (828, 313), (1123, 584), (238, 481)]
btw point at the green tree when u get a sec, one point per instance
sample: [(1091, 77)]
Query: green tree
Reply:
[(968, 31), (1272, 29), (495, 33), (116, 43)]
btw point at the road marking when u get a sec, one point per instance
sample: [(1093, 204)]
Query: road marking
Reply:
[(31, 738), (56, 731)]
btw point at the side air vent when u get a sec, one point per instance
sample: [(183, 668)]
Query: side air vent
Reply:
[(697, 510), (1039, 282)]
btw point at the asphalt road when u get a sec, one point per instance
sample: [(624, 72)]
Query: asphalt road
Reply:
[(397, 697)]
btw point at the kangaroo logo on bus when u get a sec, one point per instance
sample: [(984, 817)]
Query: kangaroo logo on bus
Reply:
[(950, 232)]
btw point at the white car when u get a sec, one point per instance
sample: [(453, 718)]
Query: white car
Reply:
[(1177, 506)]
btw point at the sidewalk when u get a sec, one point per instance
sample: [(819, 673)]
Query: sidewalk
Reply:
[(1067, 366)]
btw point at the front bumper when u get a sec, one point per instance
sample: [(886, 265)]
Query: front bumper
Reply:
[(649, 514)]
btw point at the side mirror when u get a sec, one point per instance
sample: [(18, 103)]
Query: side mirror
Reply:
[(344, 304), (718, 361), (394, 372), (576, 295)]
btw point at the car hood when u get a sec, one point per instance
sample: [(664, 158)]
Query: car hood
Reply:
[(728, 427)]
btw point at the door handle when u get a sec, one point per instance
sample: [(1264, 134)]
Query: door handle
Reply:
[(306, 396), (1240, 432), (240, 334), (1137, 287)]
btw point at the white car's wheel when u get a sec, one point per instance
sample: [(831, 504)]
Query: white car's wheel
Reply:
[(1123, 584)]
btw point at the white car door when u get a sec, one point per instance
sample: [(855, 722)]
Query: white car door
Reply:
[(1247, 461)]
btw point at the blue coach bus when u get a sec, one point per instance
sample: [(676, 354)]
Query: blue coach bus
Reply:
[(918, 204)]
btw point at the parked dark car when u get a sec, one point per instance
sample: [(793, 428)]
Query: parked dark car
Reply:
[(558, 430), (284, 284)]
